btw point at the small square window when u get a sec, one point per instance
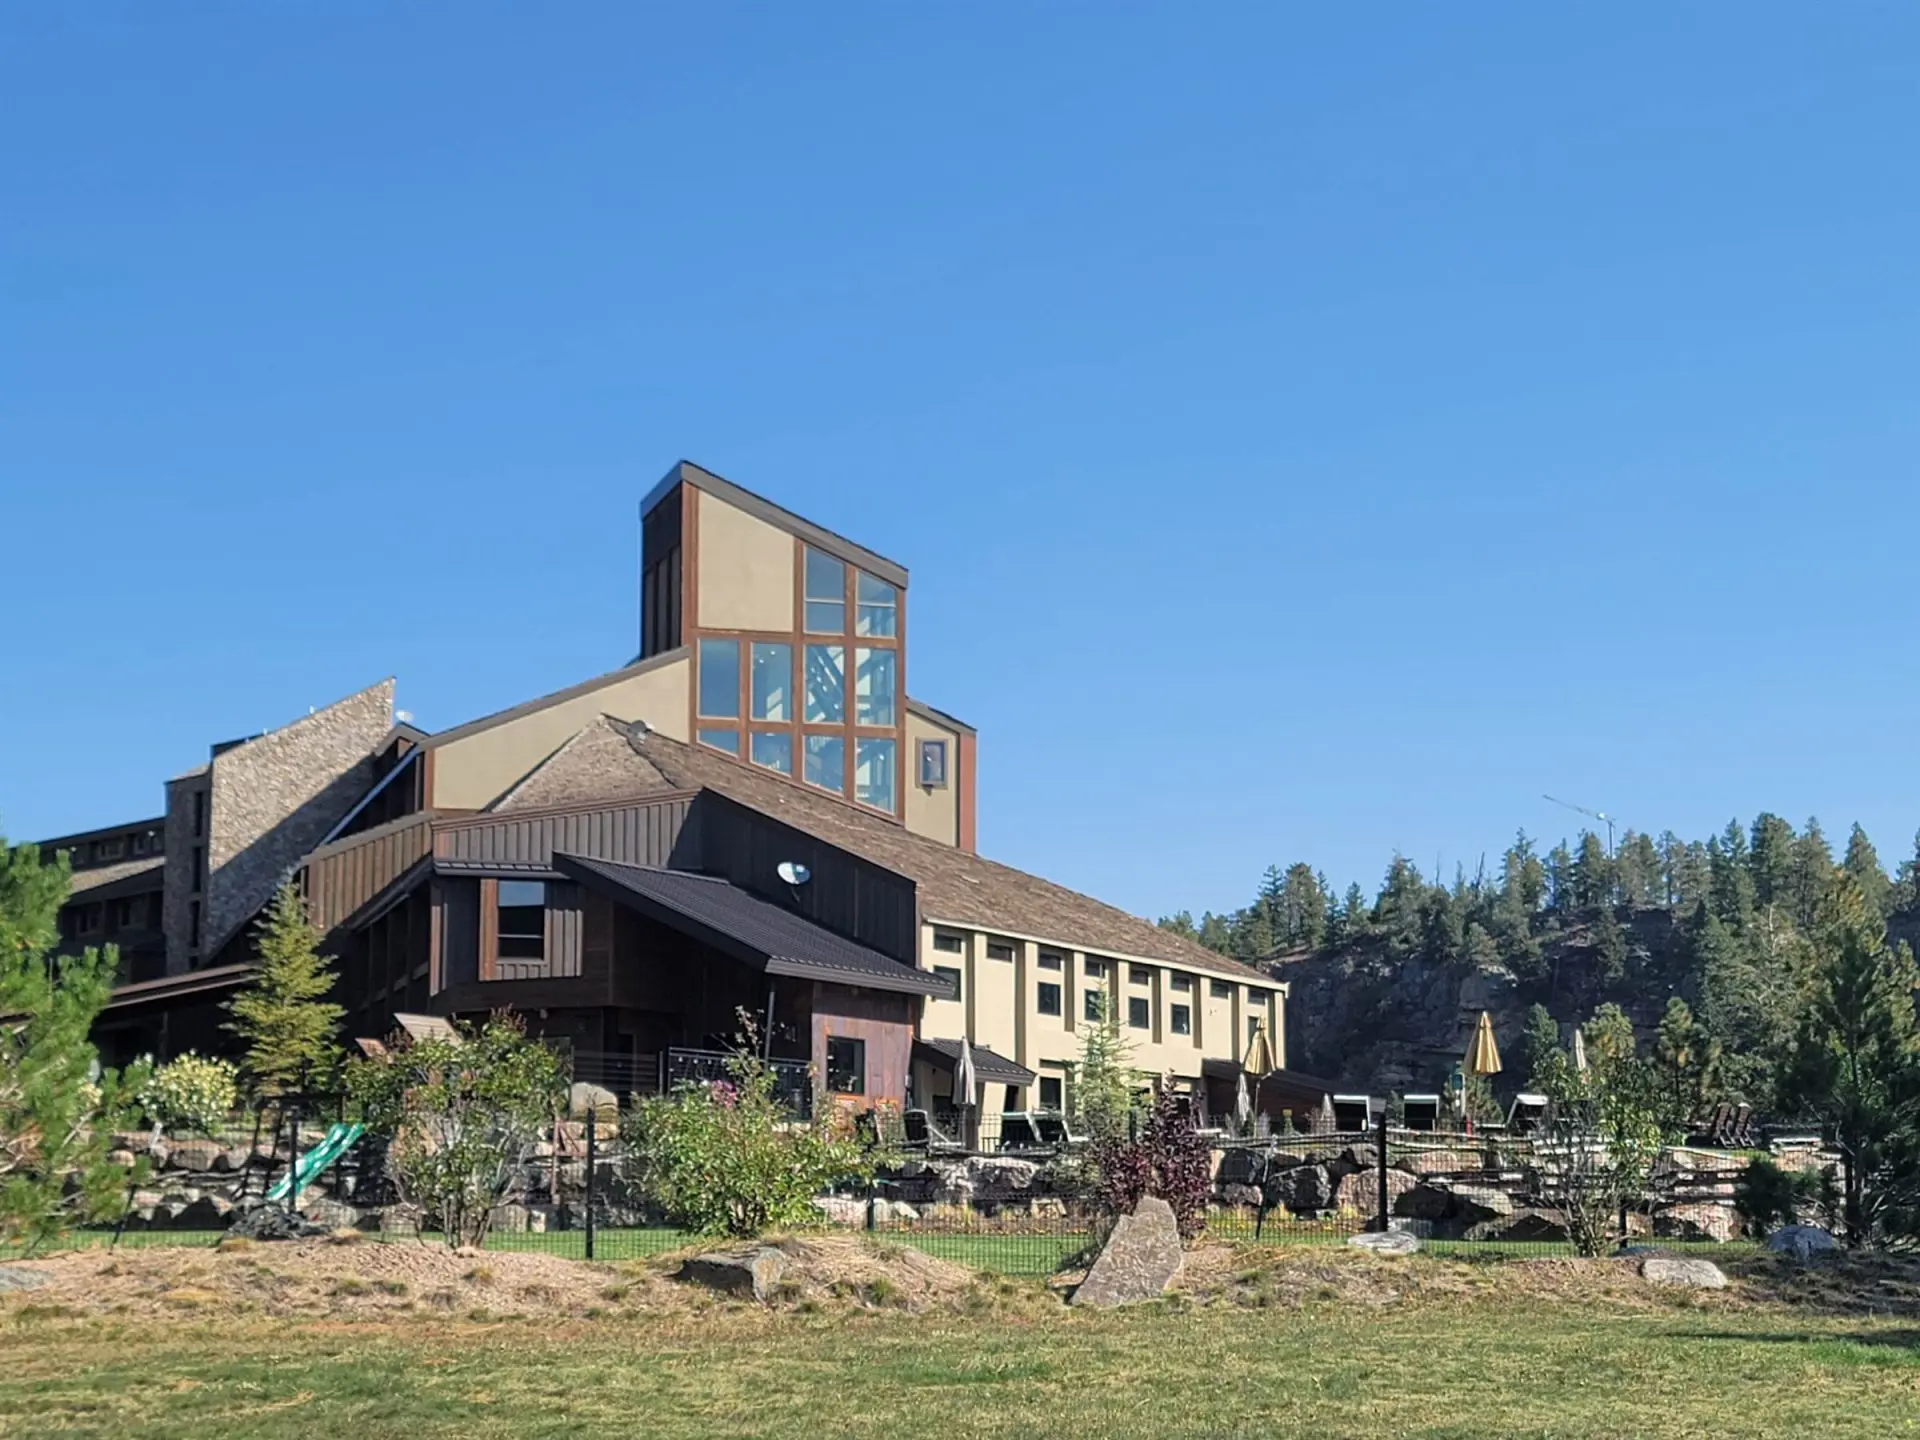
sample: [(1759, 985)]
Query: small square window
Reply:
[(1052, 960), (727, 740), (1182, 984), (999, 950), (951, 976), (1220, 990), (846, 1065), (1095, 968), (522, 919), (1052, 1092), (1180, 1020), (1140, 1013), (949, 942), (1048, 996), (933, 764), (876, 603), (1094, 1005), (1140, 974)]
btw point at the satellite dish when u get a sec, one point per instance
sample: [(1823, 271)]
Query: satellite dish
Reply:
[(793, 872)]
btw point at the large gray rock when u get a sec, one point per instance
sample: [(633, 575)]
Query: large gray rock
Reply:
[(20, 1277), (987, 1179), (1139, 1260), (1477, 1203), (840, 1210), (193, 1154), (1522, 1226), (206, 1212), (332, 1214), (270, 1222), (1802, 1242), (1387, 1242), (1695, 1220), (1303, 1190), (752, 1273), (1425, 1201), (1360, 1191), (605, 1106), (1683, 1270)]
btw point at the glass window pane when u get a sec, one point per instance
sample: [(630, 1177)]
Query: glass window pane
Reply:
[(875, 605), (772, 682), (873, 686), (873, 773), (720, 678), (826, 762), (727, 740), (826, 594), (826, 684), (773, 751)]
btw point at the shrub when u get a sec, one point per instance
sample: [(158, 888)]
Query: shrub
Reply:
[(727, 1158), (1768, 1197), (1171, 1159), (192, 1095)]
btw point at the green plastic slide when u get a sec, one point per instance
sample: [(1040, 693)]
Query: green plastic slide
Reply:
[(337, 1141)]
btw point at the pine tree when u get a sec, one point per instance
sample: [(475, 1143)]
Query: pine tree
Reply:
[(1609, 948), (1216, 933), (1103, 1079), (1301, 905), (1399, 914), (1560, 889), (1729, 880), (1540, 1049), (1637, 871), (56, 1120), (1906, 890), (1179, 923), (1771, 858), (280, 1017), (1812, 874), (1523, 879), (1863, 865), (1357, 918), (1686, 1064), (1592, 873)]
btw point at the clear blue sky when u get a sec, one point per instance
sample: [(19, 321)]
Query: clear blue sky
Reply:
[(1312, 431)]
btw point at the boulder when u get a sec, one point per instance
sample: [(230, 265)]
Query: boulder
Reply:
[(20, 1277), (898, 1212), (122, 1158), (603, 1103), (1425, 1201), (207, 1212), (511, 1220), (1802, 1242), (988, 1179), (1387, 1242), (1522, 1227), (332, 1214), (1439, 1162), (1683, 1270), (840, 1210), (1701, 1220), (1477, 1203), (1303, 1190), (1050, 1205), (752, 1273), (400, 1220), (1239, 1195), (1360, 1191), (1139, 1260), (231, 1161), (270, 1222), (193, 1154)]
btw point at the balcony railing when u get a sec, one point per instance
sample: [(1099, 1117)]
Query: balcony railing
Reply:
[(792, 1080)]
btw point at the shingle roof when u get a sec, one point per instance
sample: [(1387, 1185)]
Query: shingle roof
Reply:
[(596, 763), (86, 882), (953, 885), (718, 911), (988, 1066)]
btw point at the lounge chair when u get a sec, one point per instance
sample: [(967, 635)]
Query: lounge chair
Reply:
[(1018, 1132), (1055, 1129), (923, 1134)]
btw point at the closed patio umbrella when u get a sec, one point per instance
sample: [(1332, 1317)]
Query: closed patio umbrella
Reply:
[(1483, 1056), (1259, 1058), (1579, 1049), (964, 1081), (1242, 1105)]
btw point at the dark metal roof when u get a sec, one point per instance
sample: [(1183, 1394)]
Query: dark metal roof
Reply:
[(175, 987), (988, 1067), (720, 913)]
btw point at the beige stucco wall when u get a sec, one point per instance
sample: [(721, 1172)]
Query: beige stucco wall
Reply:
[(472, 772), (934, 813), (745, 570), (999, 1007)]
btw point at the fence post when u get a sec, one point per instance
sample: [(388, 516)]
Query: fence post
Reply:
[(592, 1128), (1381, 1161)]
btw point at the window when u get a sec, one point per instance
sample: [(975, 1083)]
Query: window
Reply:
[(197, 874), (1051, 1092), (933, 764), (773, 751), (1183, 983), (123, 914), (1095, 968), (826, 595), (951, 976), (1181, 1022), (193, 924), (1049, 998), (1052, 960), (846, 1065), (109, 849), (199, 812), (875, 604), (1093, 1004), (948, 941), (1220, 990), (873, 773), (999, 950), (772, 682), (1139, 1013), (826, 763), (140, 844), (826, 684), (522, 911), (720, 679), (874, 686), (727, 740), (1140, 974), (87, 919)]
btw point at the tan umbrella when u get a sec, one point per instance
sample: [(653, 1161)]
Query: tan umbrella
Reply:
[(1579, 1049), (1483, 1056), (1259, 1058)]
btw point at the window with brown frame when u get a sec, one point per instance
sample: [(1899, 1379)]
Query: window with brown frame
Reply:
[(948, 941), (933, 764), (522, 928), (1047, 998), (1180, 1020), (1052, 960), (999, 950), (846, 1065)]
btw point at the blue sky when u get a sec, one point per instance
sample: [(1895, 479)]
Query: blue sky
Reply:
[(1312, 433)]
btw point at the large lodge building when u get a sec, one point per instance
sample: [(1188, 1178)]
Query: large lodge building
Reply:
[(753, 814)]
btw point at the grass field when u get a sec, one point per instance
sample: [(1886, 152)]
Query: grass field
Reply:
[(1467, 1368)]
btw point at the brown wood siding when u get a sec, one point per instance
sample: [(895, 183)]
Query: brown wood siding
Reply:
[(489, 927), (845, 893), (565, 929), (883, 1021), (344, 876), (642, 832)]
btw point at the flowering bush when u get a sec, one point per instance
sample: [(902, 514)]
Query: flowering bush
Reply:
[(1171, 1159), (191, 1095), (726, 1158)]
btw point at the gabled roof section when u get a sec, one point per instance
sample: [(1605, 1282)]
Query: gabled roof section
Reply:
[(126, 877), (938, 716), (529, 707), (989, 1066), (761, 508), (953, 885), (595, 764), (720, 913)]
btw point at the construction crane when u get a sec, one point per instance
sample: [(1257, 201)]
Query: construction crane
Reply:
[(1600, 815)]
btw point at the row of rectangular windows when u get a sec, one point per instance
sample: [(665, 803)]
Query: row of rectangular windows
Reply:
[(821, 686), (137, 912), (950, 943)]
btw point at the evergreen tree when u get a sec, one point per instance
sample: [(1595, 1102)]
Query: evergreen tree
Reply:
[(281, 1018), (1906, 891), (1863, 866), (1855, 1060), (1592, 873), (1560, 888), (1356, 918), (1637, 871), (1523, 879), (1180, 923), (1729, 880), (1771, 859), (1399, 914), (1216, 933), (1301, 906), (1686, 1062), (1812, 875), (1609, 948), (56, 1120), (1102, 1091), (1540, 1049)]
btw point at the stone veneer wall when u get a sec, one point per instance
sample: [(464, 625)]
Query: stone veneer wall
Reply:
[(274, 797)]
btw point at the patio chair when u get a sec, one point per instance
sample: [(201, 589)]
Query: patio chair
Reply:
[(1055, 1130), (1018, 1131), (923, 1134)]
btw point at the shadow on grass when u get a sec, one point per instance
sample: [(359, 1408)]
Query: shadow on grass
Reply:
[(1897, 1340)]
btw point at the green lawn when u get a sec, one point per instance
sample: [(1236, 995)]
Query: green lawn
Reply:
[(1465, 1368)]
